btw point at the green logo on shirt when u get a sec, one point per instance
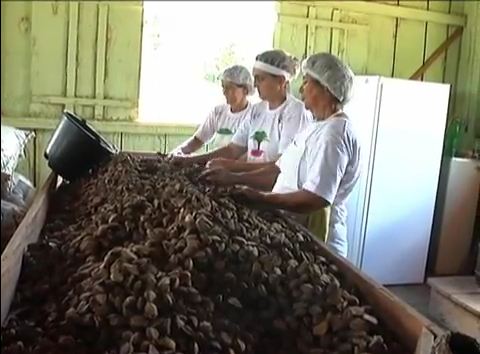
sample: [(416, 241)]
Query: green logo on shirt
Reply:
[(259, 136), (225, 131)]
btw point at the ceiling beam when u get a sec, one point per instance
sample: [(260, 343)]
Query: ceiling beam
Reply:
[(375, 8)]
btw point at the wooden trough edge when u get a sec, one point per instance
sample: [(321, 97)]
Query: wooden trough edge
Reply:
[(27, 232), (418, 334)]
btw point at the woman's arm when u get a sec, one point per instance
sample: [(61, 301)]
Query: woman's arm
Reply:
[(245, 166), (191, 145), (261, 178), (204, 133), (237, 165), (298, 202), (231, 151)]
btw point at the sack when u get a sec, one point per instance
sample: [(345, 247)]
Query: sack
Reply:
[(13, 146), (22, 188), (6, 181), (11, 217)]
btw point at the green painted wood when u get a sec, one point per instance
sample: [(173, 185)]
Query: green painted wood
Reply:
[(355, 42), (277, 33), (457, 8), (453, 58), (101, 57), (87, 39), (292, 37), (142, 143), (407, 10), (172, 141), (103, 126), (467, 106), (154, 143), (114, 138), (49, 48), (41, 168), (381, 45), (82, 101), (312, 22), (123, 49), (410, 45), (17, 67), (319, 38), (72, 51), (339, 37), (15, 64), (436, 35)]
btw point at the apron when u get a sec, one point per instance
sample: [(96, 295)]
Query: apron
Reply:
[(222, 138), (318, 221)]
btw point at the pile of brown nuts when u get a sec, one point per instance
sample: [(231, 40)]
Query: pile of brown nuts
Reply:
[(142, 257)]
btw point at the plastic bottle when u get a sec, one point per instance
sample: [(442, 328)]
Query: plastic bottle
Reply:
[(453, 136)]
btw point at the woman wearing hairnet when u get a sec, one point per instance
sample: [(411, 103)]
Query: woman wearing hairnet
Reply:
[(224, 120), (272, 124), (322, 165)]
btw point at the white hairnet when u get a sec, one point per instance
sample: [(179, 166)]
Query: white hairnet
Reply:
[(239, 75), (277, 62), (332, 73)]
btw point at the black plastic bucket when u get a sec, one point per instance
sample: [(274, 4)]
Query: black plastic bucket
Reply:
[(75, 148)]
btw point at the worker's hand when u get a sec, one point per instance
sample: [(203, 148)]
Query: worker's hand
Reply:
[(218, 175), (247, 193), (220, 163), (182, 160), (177, 152)]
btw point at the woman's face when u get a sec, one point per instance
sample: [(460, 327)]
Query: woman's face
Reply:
[(234, 94), (269, 86), (314, 95)]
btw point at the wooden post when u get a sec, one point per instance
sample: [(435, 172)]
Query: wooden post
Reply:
[(436, 54)]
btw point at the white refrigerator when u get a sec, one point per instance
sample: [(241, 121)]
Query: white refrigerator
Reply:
[(401, 125)]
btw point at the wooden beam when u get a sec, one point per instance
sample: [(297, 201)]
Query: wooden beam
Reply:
[(436, 54), (84, 101), (101, 57), (321, 23), (103, 126), (72, 46), (374, 8), (311, 31), (135, 4), (27, 232)]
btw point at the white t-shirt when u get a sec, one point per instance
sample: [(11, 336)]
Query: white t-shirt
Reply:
[(222, 119), (330, 167), (267, 133)]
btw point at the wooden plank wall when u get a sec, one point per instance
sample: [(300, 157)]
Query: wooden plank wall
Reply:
[(34, 166), (386, 45), (84, 49), (396, 46)]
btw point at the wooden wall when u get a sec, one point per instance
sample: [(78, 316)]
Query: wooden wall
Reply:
[(86, 56), (387, 38)]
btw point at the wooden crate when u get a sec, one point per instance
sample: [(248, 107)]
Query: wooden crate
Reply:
[(455, 303), (417, 334)]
